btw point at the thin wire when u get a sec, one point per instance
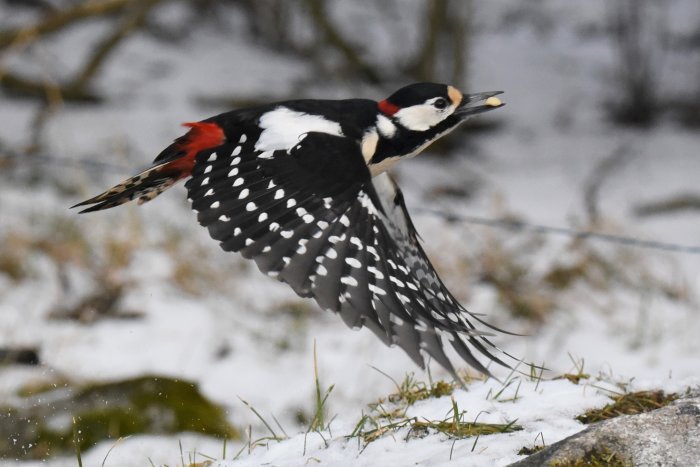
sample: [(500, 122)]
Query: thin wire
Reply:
[(510, 224), (507, 224)]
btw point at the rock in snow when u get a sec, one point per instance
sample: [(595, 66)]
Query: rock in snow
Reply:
[(667, 436)]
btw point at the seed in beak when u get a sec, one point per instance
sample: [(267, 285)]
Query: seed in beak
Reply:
[(493, 102)]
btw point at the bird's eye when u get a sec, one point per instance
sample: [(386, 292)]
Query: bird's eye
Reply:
[(440, 103)]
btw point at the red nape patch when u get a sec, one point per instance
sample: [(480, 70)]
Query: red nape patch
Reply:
[(387, 108), (200, 137)]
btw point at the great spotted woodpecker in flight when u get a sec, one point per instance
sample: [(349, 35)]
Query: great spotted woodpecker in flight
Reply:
[(300, 187)]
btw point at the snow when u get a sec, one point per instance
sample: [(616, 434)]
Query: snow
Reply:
[(244, 335)]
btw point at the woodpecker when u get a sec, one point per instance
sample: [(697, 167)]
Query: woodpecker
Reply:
[(301, 188)]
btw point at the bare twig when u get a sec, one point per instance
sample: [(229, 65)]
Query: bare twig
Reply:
[(133, 19), (59, 20), (681, 202), (317, 9), (598, 177)]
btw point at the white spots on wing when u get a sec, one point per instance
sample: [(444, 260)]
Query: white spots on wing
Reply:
[(274, 226), (376, 290), (323, 225), (205, 182), (349, 280), (353, 263), (236, 160), (308, 218), (207, 169), (236, 151), (301, 211), (301, 249), (421, 326), (373, 251), (209, 192), (224, 218), (262, 217), (244, 193), (238, 182), (212, 157), (286, 260), (391, 263), (266, 155), (344, 220), (321, 270), (376, 272), (271, 185), (317, 234), (266, 249), (404, 299), (214, 205), (279, 194), (236, 231), (331, 253), (251, 206), (291, 202), (357, 242), (273, 273), (335, 239), (396, 281), (411, 286), (282, 128), (287, 233), (243, 139), (233, 172), (249, 241)]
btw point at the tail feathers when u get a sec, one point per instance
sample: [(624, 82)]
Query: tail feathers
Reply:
[(144, 187)]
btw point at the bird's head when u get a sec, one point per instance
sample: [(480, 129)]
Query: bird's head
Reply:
[(418, 114), (422, 106)]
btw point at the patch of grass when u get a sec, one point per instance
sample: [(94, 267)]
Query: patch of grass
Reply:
[(526, 451), (455, 426), (628, 404), (411, 390), (599, 456), (388, 415)]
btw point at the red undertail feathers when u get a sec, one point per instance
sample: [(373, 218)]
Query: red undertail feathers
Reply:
[(172, 165)]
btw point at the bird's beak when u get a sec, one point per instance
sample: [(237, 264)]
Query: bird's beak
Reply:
[(473, 104)]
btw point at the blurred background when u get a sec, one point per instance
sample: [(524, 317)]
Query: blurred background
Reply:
[(101, 314)]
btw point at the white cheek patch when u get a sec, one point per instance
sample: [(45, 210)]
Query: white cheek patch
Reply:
[(422, 117), (385, 126), (282, 128)]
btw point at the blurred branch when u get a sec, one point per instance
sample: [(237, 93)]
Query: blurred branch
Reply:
[(682, 202), (22, 86), (446, 42), (58, 20), (601, 173), (317, 9), (133, 19), (77, 89)]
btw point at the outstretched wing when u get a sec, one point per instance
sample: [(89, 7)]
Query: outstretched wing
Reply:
[(314, 218)]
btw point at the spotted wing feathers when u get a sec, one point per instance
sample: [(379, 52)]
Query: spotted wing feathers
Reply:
[(313, 218)]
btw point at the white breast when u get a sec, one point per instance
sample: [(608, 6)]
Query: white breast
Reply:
[(282, 128)]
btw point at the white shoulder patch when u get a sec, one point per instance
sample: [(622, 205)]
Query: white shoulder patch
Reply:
[(282, 128)]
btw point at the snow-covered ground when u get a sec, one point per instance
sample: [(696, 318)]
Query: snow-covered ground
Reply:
[(240, 334)]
